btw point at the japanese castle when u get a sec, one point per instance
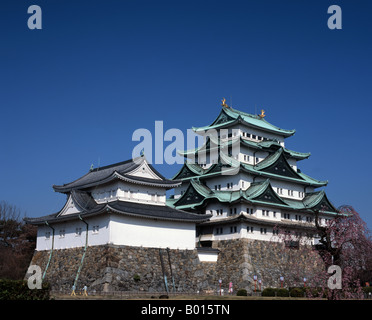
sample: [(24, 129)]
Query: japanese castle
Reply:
[(245, 177), (241, 183)]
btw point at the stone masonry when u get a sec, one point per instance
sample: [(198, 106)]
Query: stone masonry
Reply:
[(123, 268)]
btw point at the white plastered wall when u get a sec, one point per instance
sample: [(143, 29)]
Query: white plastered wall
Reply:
[(131, 231)]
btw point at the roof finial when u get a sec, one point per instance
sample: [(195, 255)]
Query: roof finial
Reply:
[(224, 103), (262, 115), (91, 167)]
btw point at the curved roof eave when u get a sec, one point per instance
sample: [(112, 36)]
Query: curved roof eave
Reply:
[(198, 217)]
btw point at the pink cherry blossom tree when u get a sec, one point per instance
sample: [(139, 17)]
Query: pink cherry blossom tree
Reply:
[(344, 241)]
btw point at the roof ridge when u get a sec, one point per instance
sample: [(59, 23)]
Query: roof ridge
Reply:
[(115, 164)]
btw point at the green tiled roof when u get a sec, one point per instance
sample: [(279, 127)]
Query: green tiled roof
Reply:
[(230, 116), (265, 168), (267, 145), (258, 193)]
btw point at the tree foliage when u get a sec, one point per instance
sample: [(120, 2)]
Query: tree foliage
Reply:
[(17, 242)]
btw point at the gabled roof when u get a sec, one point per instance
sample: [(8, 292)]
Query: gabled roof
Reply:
[(117, 171), (229, 116), (270, 167), (276, 163), (91, 208), (189, 170), (198, 194)]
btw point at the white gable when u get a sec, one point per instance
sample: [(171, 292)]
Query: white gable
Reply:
[(144, 171), (70, 207)]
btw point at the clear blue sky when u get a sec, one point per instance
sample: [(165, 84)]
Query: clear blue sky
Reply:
[(72, 93)]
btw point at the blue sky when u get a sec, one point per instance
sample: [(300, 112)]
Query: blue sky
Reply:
[(73, 93)]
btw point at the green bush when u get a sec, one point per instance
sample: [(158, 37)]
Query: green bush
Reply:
[(316, 292), (18, 290), (296, 292), (269, 292), (367, 290), (282, 292), (242, 292)]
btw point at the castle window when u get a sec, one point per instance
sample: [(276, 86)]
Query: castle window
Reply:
[(95, 229), (249, 229), (234, 210), (233, 229), (47, 235), (263, 230), (219, 230), (62, 233), (78, 232)]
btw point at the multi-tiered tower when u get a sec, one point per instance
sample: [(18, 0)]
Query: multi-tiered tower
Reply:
[(251, 185)]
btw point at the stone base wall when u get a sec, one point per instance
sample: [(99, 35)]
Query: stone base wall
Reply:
[(124, 268)]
